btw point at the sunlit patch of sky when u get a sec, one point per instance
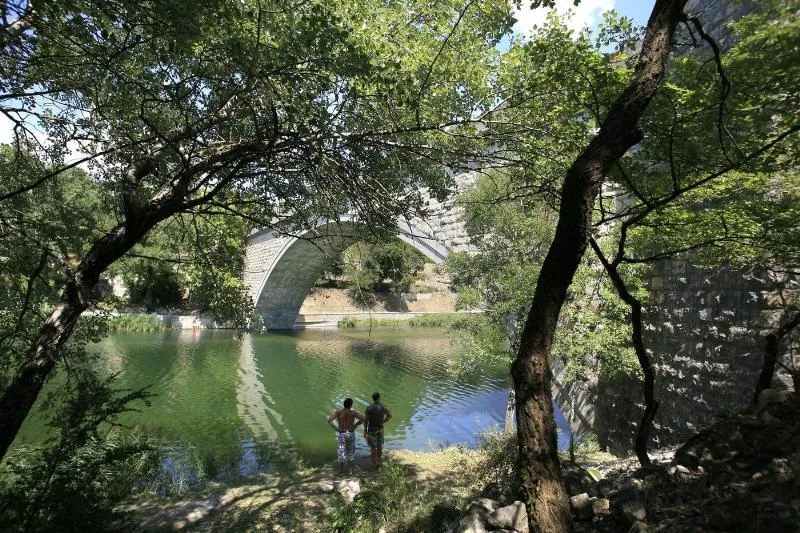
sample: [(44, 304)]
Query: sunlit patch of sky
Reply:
[(586, 13)]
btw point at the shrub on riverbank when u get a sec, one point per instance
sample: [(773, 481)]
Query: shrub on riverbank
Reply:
[(428, 320), (137, 323), (83, 470), (387, 500)]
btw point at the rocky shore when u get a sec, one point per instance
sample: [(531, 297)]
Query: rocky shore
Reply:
[(741, 474)]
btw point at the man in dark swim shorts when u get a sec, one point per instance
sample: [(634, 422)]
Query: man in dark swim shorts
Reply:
[(376, 414), (347, 420)]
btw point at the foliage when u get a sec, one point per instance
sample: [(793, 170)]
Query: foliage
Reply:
[(494, 461), (190, 262), (368, 265), (267, 113), (426, 320), (739, 193), (512, 235), (153, 285), (347, 322), (222, 294), (588, 444), (40, 233), (387, 500), (74, 481), (482, 345), (139, 323), (511, 208)]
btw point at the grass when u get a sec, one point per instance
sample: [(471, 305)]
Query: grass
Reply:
[(428, 320), (136, 323)]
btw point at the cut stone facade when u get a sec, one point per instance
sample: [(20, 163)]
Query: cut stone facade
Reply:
[(705, 333)]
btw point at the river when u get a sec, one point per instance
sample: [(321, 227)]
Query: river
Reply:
[(233, 402)]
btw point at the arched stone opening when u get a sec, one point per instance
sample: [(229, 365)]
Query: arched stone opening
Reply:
[(291, 265)]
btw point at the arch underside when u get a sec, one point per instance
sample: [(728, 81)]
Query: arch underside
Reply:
[(302, 260)]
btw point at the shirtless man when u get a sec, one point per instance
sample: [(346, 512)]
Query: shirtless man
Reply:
[(347, 420)]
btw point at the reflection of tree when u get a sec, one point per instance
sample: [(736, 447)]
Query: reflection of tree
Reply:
[(112, 355), (252, 396)]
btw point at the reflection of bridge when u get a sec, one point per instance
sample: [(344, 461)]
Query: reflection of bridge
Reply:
[(280, 269)]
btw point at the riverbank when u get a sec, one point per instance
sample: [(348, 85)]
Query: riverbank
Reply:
[(302, 500), (741, 474), (138, 322)]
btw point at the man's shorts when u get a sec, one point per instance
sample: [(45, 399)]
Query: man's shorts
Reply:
[(375, 438), (346, 446)]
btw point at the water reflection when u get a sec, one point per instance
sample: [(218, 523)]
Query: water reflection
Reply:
[(231, 406), (252, 399)]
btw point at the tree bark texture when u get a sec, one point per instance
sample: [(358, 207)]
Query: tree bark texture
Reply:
[(771, 354), (540, 470)]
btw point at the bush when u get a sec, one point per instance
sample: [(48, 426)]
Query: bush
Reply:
[(388, 500), (495, 461), (368, 265), (74, 482), (430, 320), (138, 322), (588, 444), (347, 322), (152, 284)]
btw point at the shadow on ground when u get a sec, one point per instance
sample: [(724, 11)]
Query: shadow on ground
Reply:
[(297, 501)]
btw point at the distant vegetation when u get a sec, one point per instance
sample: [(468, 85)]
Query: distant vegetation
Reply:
[(429, 320), (391, 266), (139, 323)]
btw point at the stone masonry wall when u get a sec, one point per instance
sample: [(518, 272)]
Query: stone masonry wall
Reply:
[(714, 15), (705, 334), (262, 249), (446, 219), (704, 330)]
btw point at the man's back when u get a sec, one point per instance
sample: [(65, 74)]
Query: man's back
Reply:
[(346, 419), (375, 415)]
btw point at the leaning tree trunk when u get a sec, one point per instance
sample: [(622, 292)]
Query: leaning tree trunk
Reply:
[(19, 397), (43, 353), (540, 470)]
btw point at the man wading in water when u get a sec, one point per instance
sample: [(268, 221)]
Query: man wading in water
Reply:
[(377, 414), (347, 420)]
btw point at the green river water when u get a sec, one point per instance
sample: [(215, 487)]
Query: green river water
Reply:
[(233, 401)]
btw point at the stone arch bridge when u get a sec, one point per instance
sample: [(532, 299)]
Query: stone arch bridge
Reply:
[(280, 269)]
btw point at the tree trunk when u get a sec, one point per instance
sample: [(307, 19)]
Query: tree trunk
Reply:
[(637, 338), (19, 397), (540, 470), (42, 356), (771, 354)]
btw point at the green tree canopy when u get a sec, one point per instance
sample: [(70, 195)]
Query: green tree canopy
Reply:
[(261, 109)]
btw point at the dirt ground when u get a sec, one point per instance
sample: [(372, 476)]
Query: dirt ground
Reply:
[(283, 502), (430, 294)]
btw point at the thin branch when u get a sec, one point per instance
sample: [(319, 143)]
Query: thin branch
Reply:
[(424, 85)]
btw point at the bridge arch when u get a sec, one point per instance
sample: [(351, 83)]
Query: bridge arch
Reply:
[(281, 269)]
